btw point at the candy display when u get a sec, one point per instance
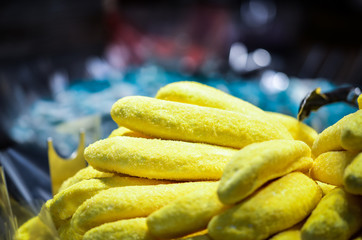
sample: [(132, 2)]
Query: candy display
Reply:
[(194, 162)]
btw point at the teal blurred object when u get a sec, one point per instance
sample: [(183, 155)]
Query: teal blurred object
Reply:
[(87, 104)]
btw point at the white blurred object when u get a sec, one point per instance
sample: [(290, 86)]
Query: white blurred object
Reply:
[(238, 56), (240, 61), (58, 82), (274, 82), (261, 57)]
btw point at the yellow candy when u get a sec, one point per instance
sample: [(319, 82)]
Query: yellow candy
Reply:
[(46, 216), (258, 163), (34, 229), (330, 138), (66, 232), (162, 159), (128, 202), (292, 233), (129, 229), (186, 122), (203, 95), (299, 130), (337, 216), (351, 133), (277, 206), (287, 235), (359, 100), (352, 178), (84, 174), (326, 188), (66, 202), (122, 131), (187, 214), (203, 236), (329, 167)]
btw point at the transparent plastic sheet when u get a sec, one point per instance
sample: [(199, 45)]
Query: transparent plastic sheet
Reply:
[(8, 222)]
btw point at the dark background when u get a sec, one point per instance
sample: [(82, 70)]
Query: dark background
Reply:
[(307, 39)]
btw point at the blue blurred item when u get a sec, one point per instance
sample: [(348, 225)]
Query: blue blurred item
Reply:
[(87, 103)]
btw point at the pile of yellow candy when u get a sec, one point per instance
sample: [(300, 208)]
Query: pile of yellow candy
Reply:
[(197, 163)]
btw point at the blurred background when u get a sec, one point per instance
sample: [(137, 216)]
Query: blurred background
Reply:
[(64, 63)]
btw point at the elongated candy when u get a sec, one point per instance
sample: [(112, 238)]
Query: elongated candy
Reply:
[(122, 131), (201, 235), (206, 96), (128, 202), (187, 214), (66, 202), (329, 166), (66, 232), (203, 95), (86, 173), (32, 229), (187, 122), (277, 206), (326, 188), (46, 216), (330, 138), (359, 100), (128, 229), (352, 176), (293, 233), (204, 236), (258, 163), (351, 133), (297, 129), (162, 159), (337, 216)]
